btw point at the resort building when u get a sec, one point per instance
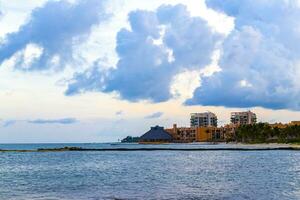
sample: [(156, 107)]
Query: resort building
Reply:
[(204, 129), (281, 125), (206, 119), (156, 134), (243, 118), (294, 123), (182, 134), (211, 134), (229, 132), (198, 134)]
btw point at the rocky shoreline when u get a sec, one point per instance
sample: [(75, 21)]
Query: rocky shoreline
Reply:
[(236, 148)]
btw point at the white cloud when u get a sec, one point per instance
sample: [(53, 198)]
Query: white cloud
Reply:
[(32, 52), (15, 14), (31, 95), (262, 51), (245, 83)]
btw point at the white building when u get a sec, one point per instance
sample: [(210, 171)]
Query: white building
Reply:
[(205, 119), (243, 118)]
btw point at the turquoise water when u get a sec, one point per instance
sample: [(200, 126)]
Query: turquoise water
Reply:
[(148, 175)]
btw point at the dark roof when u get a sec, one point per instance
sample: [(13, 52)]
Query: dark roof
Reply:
[(156, 133)]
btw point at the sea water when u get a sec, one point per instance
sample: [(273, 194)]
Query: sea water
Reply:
[(148, 174)]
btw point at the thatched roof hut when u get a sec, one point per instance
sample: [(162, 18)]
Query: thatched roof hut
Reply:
[(156, 134)]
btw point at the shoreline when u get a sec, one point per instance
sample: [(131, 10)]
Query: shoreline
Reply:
[(234, 147)]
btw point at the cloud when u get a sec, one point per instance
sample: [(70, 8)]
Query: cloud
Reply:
[(120, 112), (157, 46), (53, 29), (9, 123), (54, 121), (154, 115), (261, 58), (92, 79)]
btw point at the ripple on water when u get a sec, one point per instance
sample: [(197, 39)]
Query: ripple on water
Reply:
[(151, 175)]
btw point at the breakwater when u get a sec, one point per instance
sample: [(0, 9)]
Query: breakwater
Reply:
[(296, 148)]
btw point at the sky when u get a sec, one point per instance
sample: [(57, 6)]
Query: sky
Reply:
[(99, 70)]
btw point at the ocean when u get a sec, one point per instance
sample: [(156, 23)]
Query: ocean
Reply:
[(147, 174)]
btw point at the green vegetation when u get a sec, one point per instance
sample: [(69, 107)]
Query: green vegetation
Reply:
[(130, 139), (264, 133)]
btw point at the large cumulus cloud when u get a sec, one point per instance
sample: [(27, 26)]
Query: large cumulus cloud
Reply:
[(54, 28), (157, 46), (260, 58)]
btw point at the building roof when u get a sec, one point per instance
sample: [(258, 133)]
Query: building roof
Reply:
[(204, 114), (156, 133), (243, 113)]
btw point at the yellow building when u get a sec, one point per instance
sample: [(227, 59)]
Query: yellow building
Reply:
[(214, 134), (281, 125), (182, 134), (278, 125), (198, 134), (295, 123)]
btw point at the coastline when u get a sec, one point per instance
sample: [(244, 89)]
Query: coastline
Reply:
[(214, 147)]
